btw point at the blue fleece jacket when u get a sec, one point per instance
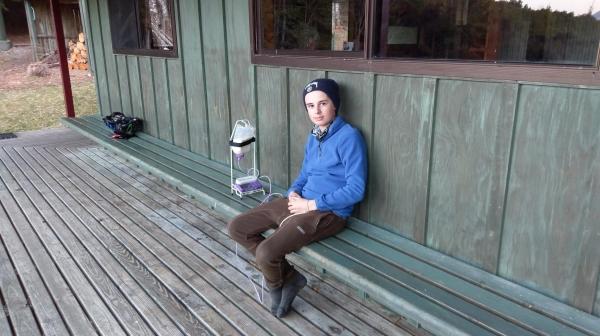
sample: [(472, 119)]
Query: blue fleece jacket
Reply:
[(334, 171)]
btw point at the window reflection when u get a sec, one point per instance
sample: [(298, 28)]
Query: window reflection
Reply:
[(312, 25), (142, 26), (156, 28), (488, 30)]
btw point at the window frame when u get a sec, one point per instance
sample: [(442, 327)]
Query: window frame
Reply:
[(150, 52), (521, 72)]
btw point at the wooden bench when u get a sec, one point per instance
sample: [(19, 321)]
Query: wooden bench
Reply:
[(431, 290)]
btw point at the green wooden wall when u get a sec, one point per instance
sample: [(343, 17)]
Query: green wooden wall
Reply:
[(503, 175)]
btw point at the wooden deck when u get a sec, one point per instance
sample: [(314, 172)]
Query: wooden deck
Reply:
[(90, 244)]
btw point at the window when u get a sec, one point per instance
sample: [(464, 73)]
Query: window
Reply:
[(143, 27), (486, 30), (311, 25), (553, 40)]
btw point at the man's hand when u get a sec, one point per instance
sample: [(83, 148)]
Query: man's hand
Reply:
[(294, 194), (299, 205)]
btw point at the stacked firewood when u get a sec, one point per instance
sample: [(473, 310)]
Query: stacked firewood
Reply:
[(78, 53)]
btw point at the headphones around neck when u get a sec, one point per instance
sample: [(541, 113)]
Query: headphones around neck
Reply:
[(318, 133)]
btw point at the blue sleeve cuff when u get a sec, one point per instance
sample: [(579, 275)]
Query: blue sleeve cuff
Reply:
[(290, 190), (319, 204)]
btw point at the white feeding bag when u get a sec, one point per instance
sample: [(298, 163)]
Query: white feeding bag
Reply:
[(242, 136)]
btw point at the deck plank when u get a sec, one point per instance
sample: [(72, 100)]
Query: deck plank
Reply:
[(171, 234), (103, 319), (310, 314), (149, 247), (107, 232), (132, 255), (143, 317), (17, 309), (4, 324), (180, 222), (44, 307), (167, 197)]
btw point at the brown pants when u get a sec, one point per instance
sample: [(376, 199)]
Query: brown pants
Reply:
[(296, 231)]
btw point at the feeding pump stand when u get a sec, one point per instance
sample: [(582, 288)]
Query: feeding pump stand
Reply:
[(241, 142)]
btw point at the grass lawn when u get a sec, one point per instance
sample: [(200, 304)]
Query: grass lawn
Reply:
[(41, 107)]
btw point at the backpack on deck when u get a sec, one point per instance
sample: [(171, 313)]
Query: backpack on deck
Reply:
[(123, 127)]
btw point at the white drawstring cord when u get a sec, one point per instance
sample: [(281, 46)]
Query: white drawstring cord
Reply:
[(288, 217), (259, 296), (269, 195)]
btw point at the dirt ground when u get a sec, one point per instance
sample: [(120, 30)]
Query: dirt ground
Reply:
[(13, 71)]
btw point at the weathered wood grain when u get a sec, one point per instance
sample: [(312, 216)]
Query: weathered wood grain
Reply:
[(162, 239), (44, 307), (355, 106), (96, 43), (146, 317), (177, 94), (162, 99), (110, 63), (185, 210), (177, 91), (123, 77), (216, 79), (211, 252), (241, 87), (5, 328), (596, 310), (147, 226), (123, 247), (41, 222), (178, 220), (551, 230), (400, 158), (192, 56), (272, 124), (14, 297), (148, 95), (471, 148), (135, 87), (164, 226)]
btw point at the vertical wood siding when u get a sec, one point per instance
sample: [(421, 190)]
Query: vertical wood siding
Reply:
[(177, 94), (216, 78), (135, 87), (95, 43), (148, 96), (552, 228), (177, 100), (399, 160), (597, 304), (192, 55), (273, 120), (471, 144), (110, 63), (502, 175), (123, 76), (164, 122), (241, 86)]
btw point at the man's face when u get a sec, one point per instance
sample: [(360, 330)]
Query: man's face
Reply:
[(321, 110)]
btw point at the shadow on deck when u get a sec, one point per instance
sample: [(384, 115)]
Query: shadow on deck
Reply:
[(90, 244)]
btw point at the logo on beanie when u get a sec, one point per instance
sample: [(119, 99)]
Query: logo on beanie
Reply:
[(309, 86)]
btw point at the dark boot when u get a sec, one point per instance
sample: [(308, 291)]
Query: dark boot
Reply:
[(275, 299), (291, 288)]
